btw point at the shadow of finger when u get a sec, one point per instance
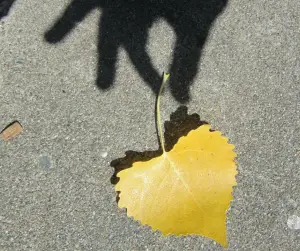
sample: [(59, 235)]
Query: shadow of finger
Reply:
[(5, 6), (73, 14)]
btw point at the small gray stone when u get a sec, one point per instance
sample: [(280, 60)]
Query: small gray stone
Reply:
[(45, 162), (294, 222)]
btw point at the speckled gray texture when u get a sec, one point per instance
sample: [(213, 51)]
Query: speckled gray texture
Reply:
[(55, 185)]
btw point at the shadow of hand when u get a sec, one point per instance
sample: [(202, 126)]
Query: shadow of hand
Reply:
[(5, 6), (126, 23)]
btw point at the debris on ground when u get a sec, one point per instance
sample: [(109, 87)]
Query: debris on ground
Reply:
[(11, 131)]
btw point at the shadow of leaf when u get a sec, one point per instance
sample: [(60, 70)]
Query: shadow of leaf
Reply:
[(180, 124)]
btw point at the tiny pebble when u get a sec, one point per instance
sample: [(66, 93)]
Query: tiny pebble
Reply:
[(45, 162), (293, 222), (104, 154)]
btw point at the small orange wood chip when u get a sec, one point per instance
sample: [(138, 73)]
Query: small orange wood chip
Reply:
[(11, 131)]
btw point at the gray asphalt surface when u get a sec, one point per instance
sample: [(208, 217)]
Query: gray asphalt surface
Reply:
[(55, 188)]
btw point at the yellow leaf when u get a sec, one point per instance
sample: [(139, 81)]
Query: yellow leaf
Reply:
[(186, 190)]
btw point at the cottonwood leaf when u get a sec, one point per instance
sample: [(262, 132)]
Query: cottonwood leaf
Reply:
[(186, 190)]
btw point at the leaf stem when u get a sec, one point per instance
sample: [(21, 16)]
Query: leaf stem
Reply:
[(158, 119)]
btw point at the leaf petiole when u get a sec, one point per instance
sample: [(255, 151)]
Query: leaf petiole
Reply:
[(158, 119)]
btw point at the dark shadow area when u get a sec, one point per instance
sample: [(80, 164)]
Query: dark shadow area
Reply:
[(180, 124), (5, 6), (126, 23)]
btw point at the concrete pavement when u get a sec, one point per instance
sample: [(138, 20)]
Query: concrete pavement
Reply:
[(55, 184)]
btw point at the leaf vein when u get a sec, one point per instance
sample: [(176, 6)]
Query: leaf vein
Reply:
[(183, 181)]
